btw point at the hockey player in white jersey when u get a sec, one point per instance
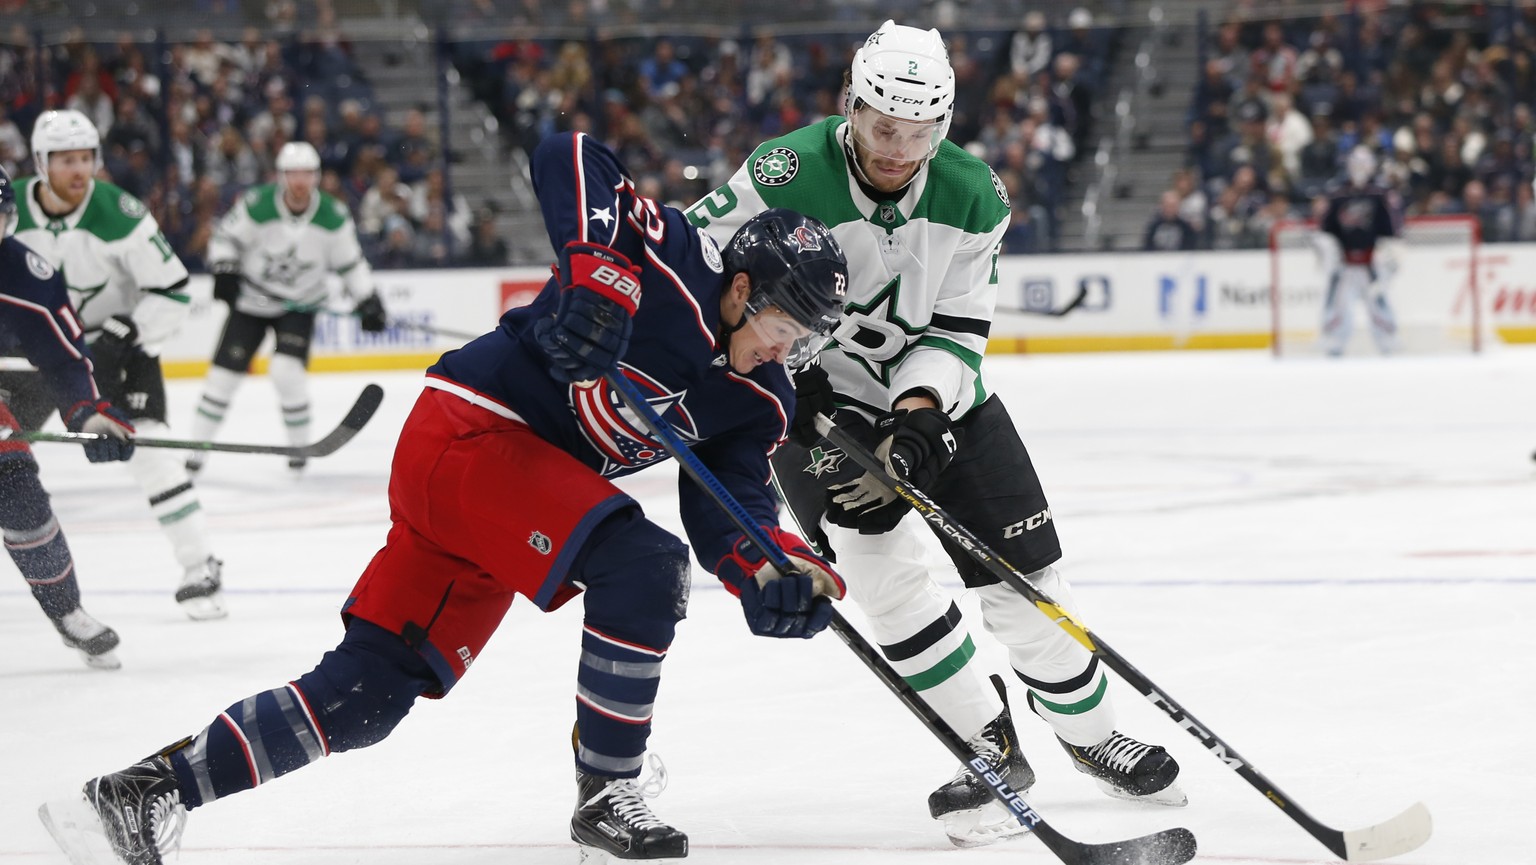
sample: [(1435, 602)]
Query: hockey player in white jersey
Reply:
[(1358, 242), (920, 221), (129, 286), (273, 257)]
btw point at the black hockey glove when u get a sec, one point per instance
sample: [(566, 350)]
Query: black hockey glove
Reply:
[(102, 418), (226, 286), (118, 341), (917, 446), (370, 313), (813, 396), (589, 332), (921, 444)]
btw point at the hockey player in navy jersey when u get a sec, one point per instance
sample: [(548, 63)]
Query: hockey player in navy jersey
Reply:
[(37, 320), (1359, 234), (501, 486)]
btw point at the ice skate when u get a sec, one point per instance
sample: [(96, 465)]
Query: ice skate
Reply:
[(612, 821), (1128, 769), (94, 640), (134, 816), (972, 817), (200, 594)]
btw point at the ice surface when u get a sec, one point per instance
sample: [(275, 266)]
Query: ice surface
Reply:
[(1333, 565)]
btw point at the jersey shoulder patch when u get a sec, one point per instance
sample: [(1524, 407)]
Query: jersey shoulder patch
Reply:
[(711, 251), (40, 268), (111, 213), (776, 167)]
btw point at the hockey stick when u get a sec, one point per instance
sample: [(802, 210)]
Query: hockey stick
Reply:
[(1168, 847), (1400, 834), (1076, 301), (357, 417)]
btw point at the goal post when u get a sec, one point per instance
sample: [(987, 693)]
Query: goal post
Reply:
[(1434, 292)]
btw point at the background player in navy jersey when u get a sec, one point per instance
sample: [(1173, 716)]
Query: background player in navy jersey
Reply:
[(500, 486), (1359, 231), (36, 319)]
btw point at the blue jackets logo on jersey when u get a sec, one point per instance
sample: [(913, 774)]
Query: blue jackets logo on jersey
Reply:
[(616, 432)]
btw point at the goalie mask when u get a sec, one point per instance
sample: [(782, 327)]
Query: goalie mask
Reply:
[(901, 93), (797, 269)]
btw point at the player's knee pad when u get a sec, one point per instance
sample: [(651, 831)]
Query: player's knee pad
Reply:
[(289, 377), (884, 572), (637, 579), (364, 687), (220, 384), (23, 502), (1037, 645)]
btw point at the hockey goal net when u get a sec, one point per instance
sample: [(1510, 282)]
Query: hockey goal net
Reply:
[(1433, 293)]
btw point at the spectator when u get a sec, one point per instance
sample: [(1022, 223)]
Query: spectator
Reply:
[(386, 198), (1169, 231), (487, 247), (1029, 50)]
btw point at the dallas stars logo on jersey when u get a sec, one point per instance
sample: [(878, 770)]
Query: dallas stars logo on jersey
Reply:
[(776, 167)]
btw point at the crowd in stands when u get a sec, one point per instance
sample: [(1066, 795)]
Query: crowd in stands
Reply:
[(1442, 95), (190, 131), (684, 112)]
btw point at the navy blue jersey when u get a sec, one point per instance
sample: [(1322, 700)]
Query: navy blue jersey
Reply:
[(38, 322), (676, 356), (1357, 217)]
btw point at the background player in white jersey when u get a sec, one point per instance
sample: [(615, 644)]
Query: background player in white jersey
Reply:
[(1357, 241), (272, 257), (920, 221), (128, 286), (37, 320)]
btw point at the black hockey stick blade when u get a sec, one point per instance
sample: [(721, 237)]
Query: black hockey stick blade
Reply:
[(357, 417), (1173, 847), (1398, 835)]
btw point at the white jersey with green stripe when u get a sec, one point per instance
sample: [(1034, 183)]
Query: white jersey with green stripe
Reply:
[(113, 257), (922, 270), (286, 259)]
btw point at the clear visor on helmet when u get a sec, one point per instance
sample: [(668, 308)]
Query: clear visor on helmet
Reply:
[(784, 339), (900, 140)]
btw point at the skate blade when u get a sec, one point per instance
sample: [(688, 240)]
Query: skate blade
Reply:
[(205, 608), (1171, 796), (107, 660), (593, 856), (978, 827), (77, 830)]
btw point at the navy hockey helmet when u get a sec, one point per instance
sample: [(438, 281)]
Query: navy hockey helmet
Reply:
[(795, 264), (7, 202)]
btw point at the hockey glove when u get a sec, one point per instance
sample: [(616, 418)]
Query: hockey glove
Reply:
[(797, 605), (226, 286), (118, 341), (600, 291), (921, 444), (916, 448), (370, 313), (813, 396), (102, 418)]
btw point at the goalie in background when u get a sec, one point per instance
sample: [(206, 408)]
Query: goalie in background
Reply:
[(273, 257), (1358, 241)]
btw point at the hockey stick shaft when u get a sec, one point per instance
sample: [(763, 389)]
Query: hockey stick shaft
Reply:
[(1398, 835), (1170, 847), (356, 418)]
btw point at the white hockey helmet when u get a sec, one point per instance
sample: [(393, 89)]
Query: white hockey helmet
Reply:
[(904, 73), (298, 156), (1361, 165), (59, 131)]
